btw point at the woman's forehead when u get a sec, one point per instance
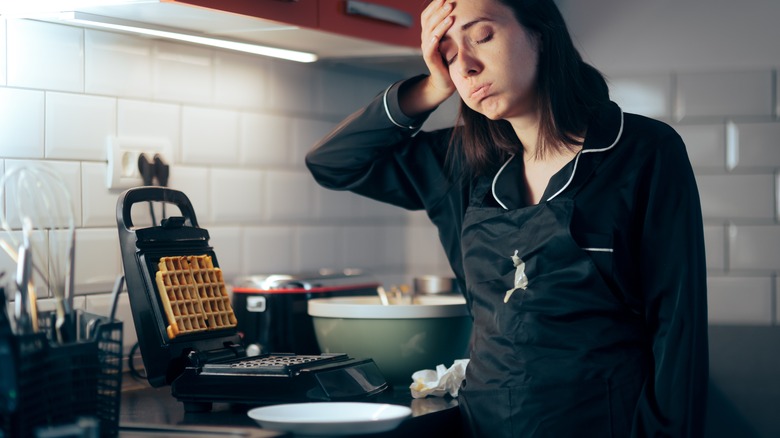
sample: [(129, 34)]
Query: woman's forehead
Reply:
[(470, 12)]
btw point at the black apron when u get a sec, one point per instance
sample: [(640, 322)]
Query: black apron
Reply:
[(563, 357)]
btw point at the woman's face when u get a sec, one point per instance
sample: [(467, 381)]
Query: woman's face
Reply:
[(492, 60)]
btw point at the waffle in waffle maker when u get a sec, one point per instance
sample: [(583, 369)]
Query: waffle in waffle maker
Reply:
[(187, 329)]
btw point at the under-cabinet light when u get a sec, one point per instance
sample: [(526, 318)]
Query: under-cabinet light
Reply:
[(99, 21)]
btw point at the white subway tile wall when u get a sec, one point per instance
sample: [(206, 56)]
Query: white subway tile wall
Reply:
[(649, 95), (144, 119), (755, 146), (719, 95), (98, 259), (210, 136), (715, 248), (741, 300), (2, 53), (706, 145), (240, 82), (117, 65), (312, 237), (77, 125), (737, 196), (182, 73), (754, 247), (98, 205), (227, 244), (282, 207), (24, 111), (264, 140), (237, 195), (270, 249), (44, 56), (240, 126)]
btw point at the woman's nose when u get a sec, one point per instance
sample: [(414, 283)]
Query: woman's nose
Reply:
[(469, 63)]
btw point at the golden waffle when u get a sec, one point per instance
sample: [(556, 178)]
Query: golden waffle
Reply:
[(194, 295)]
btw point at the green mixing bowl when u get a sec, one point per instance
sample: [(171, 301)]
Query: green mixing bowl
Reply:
[(400, 338)]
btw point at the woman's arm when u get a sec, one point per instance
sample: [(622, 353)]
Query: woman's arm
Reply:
[(673, 275), (380, 152)]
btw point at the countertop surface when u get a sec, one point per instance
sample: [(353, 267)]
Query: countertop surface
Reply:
[(154, 412)]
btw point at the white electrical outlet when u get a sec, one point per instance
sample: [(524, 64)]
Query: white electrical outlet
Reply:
[(123, 153)]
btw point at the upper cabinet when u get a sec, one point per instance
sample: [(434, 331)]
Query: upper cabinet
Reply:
[(379, 20), (382, 21), (296, 12)]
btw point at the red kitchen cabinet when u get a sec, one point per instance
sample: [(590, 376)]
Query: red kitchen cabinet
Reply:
[(298, 12), (386, 21)]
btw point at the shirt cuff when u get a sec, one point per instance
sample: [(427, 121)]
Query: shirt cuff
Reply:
[(393, 107)]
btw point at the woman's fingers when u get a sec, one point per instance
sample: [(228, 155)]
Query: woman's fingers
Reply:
[(436, 21)]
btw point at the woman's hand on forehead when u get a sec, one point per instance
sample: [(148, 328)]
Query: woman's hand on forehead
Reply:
[(436, 20)]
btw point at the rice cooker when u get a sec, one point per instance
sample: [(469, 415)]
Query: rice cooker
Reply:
[(272, 309)]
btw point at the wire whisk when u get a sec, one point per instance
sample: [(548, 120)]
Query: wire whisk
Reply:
[(38, 194)]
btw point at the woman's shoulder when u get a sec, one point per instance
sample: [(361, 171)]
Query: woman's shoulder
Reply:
[(652, 142), (637, 124)]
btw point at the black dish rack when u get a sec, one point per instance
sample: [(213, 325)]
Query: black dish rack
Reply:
[(54, 385), (213, 365)]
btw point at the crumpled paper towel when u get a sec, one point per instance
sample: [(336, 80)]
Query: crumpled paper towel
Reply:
[(440, 381)]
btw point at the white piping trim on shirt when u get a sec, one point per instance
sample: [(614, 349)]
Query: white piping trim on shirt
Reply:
[(582, 151), (387, 110), (598, 249), (571, 177), (495, 178)]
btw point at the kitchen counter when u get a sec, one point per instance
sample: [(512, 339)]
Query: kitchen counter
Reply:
[(154, 412)]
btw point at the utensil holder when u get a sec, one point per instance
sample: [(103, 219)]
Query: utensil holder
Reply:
[(56, 384)]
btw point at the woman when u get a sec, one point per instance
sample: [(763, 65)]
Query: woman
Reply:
[(574, 228)]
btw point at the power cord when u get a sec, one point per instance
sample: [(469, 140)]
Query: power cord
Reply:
[(146, 167), (135, 372), (161, 171), (151, 170)]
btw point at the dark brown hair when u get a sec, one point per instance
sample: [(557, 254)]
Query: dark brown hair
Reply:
[(568, 92)]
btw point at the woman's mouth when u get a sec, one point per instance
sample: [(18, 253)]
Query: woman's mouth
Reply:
[(480, 91)]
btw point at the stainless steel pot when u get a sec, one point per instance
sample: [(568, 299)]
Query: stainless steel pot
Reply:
[(434, 284)]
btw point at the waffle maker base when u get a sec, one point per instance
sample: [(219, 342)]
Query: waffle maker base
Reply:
[(212, 366)]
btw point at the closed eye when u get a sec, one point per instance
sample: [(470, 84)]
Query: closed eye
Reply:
[(449, 61), (486, 39)]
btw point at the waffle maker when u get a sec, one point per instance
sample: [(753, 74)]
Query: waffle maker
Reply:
[(212, 365)]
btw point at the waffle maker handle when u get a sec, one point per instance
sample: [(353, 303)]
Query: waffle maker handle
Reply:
[(153, 194)]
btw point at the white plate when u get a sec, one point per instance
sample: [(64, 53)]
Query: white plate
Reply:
[(331, 418)]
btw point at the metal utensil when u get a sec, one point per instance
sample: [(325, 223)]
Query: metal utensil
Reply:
[(382, 296), (22, 303), (38, 194), (65, 325), (5, 321)]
